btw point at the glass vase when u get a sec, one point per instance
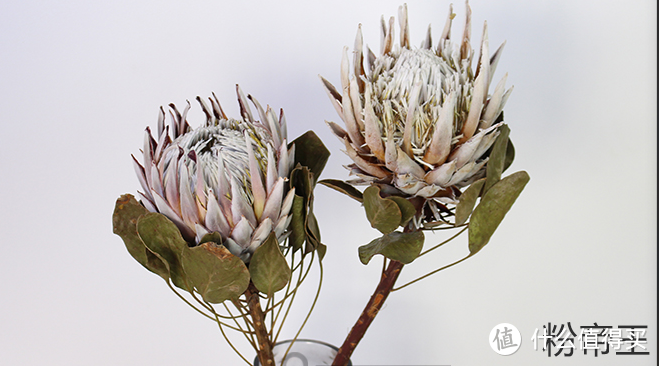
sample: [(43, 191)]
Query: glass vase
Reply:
[(304, 352)]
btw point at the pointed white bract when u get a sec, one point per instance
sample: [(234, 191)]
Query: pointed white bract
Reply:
[(229, 176), (419, 120)]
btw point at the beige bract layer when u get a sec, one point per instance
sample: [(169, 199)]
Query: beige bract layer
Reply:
[(419, 120), (228, 176)]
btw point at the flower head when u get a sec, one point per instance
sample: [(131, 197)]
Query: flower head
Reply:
[(419, 120), (227, 176)]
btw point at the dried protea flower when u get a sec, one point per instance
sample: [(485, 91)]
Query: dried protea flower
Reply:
[(227, 176), (419, 121)]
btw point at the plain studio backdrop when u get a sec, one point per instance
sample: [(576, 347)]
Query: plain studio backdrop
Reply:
[(80, 80)]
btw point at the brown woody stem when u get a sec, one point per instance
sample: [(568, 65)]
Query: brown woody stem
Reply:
[(263, 340), (374, 305)]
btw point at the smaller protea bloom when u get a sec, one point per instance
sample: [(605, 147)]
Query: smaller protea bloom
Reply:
[(228, 176), (419, 120)]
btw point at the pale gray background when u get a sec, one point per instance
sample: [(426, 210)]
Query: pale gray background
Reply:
[(80, 80)]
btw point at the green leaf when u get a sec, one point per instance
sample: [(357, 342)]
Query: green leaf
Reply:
[(406, 208), (298, 232), (214, 237), (497, 158), (124, 223), (322, 249), (164, 239), (214, 272), (313, 231), (467, 201), (402, 247), (383, 214), (311, 152), (343, 187), (300, 180), (269, 270), (493, 207), (510, 155)]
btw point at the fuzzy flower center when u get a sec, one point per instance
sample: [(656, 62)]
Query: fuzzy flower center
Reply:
[(393, 82), (219, 149)]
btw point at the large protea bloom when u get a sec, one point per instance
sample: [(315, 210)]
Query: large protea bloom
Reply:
[(419, 120), (227, 176)]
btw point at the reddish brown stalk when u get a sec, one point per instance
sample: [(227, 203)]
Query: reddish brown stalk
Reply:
[(374, 305), (264, 345)]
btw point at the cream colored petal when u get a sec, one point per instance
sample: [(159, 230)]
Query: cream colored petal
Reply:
[(446, 32), (189, 211), (351, 124), (242, 232), (274, 126), (442, 174), (233, 247), (147, 202), (165, 209), (245, 111), (258, 190), (364, 165), (334, 95), (475, 109), (484, 59), (239, 205), (215, 218), (409, 119), (486, 142), (282, 225), (358, 61), (260, 234), (494, 59), (409, 184), (404, 26), (200, 184), (200, 231), (389, 38), (171, 180), (463, 154), (287, 204), (440, 144), (283, 126), (345, 70), (283, 167), (356, 101), (139, 171), (428, 191), (465, 172), (337, 130), (261, 111), (372, 131), (427, 43), (465, 46), (492, 110), (391, 153), (406, 165), (272, 174), (273, 203), (156, 180), (291, 159)]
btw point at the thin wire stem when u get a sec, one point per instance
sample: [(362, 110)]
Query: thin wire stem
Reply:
[(320, 284), (188, 302), (432, 273), (249, 333), (219, 324), (451, 226), (444, 242), (301, 279)]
